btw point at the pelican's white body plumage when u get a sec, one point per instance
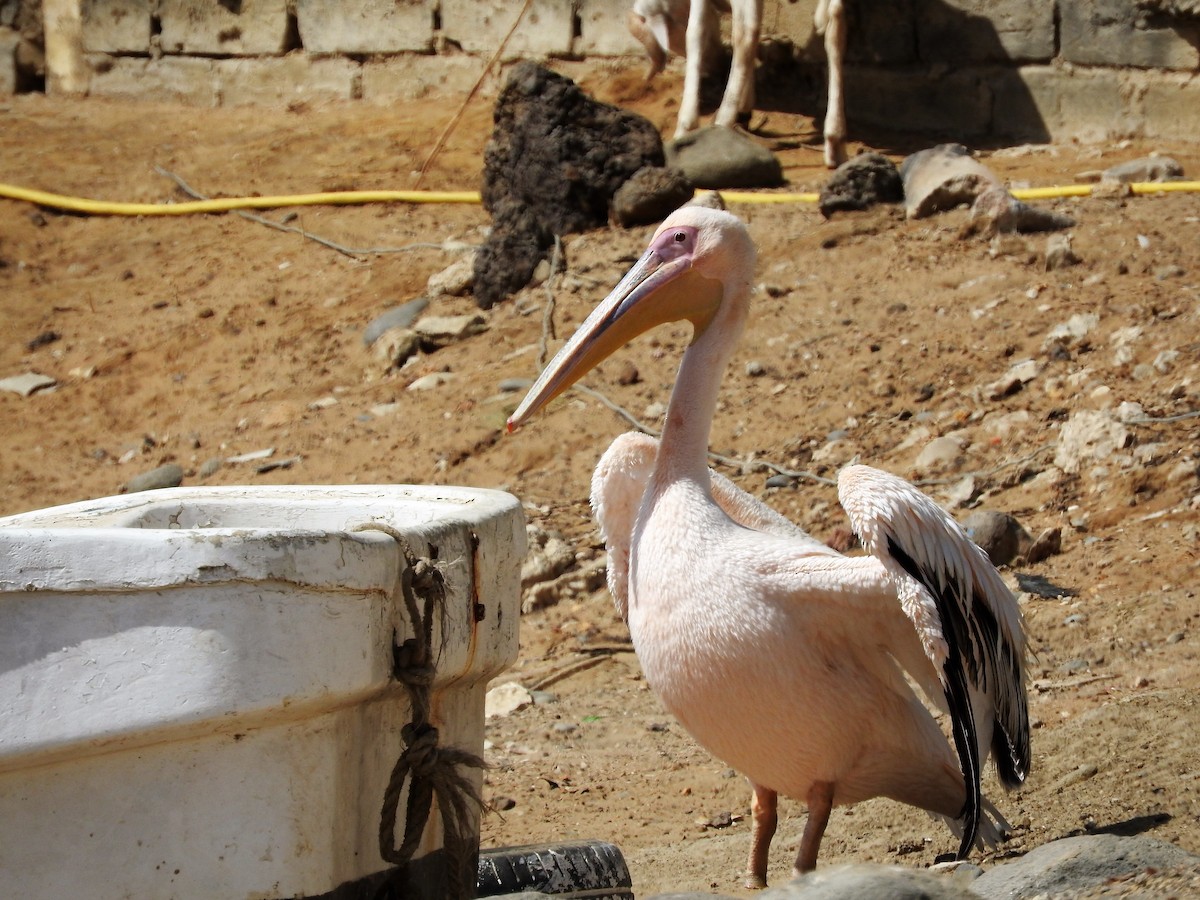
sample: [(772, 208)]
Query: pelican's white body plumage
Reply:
[(783, 657)]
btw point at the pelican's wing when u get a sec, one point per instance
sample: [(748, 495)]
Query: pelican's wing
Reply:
[(620, 481), (967, 619)]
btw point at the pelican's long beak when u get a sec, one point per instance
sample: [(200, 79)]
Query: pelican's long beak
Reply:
[(662, 287)]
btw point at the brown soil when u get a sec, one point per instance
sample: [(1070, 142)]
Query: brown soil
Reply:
[(183, 339)]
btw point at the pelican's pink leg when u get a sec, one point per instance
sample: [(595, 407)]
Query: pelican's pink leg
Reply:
[(820, 804), (764, 806)]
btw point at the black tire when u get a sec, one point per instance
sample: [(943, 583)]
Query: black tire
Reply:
[(594, 870)]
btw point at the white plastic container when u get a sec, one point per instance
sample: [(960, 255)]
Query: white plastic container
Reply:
[(196, 685)]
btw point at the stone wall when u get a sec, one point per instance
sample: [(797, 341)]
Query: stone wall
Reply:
[(1028, 69)]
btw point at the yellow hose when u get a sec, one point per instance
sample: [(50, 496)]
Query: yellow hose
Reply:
[(348, 198), (225, 204)]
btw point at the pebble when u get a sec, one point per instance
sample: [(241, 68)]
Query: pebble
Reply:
[(396, 346), (455, 280), (440, 331), (210, 467), (1148, 168), (26, 384), (938, 453), (755, 369), (431, 381), (505, 699), (253, 456), (513, 385), (1059, 254), (165, 476), (401, 316), (1087, 437)]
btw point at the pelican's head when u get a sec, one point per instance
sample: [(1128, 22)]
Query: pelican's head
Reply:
[(699, 261)]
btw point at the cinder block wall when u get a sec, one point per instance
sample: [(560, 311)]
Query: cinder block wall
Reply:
[(1025, 69)]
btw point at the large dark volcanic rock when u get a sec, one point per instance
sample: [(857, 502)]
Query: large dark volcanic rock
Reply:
[(555, 159)]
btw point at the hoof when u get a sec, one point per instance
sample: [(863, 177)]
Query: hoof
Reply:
[(753, 882)]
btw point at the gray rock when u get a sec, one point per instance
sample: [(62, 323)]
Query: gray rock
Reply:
[(1088, 436), (859, 183), (210, 467), (938, 453), (401, 316), (871, 882), (1148, 168), (1075, 863), (998, 534), (996, 211), (716, 157), (456, 279), (942, 178), (396, 346), (431, 381), (1059, 254), (27, 383), (650, 195), (440, 331), (167, 476)]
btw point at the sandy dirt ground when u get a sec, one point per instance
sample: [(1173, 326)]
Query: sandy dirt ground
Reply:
[(185, 339)]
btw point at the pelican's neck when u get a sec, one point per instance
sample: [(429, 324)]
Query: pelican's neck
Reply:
[(684, 449)]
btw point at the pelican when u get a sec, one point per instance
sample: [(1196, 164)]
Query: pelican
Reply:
[(782, 657)]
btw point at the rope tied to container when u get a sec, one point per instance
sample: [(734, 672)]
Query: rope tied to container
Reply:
[(428, 768)]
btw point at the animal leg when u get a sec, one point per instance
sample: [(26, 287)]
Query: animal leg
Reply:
[(820, 804), (835, 109), (739, 90), (697, 38), (764, 807)]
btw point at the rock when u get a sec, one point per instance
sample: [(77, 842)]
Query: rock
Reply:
[(555, 159), (871, 882), (27, 384), (1074, 863), (441, 331), (1148, 168), (996, 211), (455, 280), (942, 178), (516, 244), (1018, 375), (939, 453), (1059, 254), (650, 195), (167, 476), (1071, 332), (1088, 436), (252, 456), (717, 157), (401, 316), (396, 346), (210, 467), (997, 534), (431, 381), (505, 699), (1047, 544), (548, 556), (859, 183)]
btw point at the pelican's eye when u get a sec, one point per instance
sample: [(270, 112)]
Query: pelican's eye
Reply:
[(675, 242)]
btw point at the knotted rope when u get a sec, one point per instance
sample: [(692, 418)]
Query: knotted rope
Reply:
[(429, 768)]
